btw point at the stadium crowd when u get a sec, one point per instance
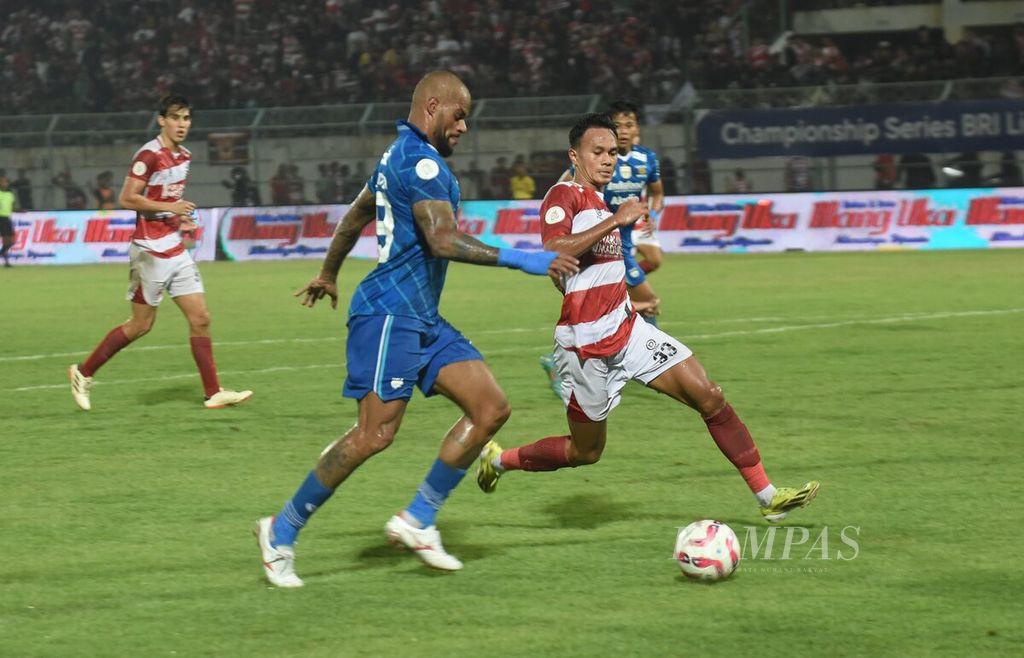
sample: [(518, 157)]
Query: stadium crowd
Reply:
[(241, 53)]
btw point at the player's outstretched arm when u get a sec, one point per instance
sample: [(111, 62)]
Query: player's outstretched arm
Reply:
[(577, 244), (362, 211), (437, 222)]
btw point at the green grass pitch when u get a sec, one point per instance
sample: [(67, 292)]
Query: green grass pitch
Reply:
[(894, 378)]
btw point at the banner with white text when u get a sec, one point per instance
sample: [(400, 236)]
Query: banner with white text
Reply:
[(946, 127)]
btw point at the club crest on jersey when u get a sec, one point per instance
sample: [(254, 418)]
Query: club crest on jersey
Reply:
[(554, 215), (625, 171), (139, 168), (427, 169), (641, 171)]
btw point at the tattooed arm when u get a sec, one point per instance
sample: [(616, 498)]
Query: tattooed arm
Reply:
[(362, 211), (436, 221)]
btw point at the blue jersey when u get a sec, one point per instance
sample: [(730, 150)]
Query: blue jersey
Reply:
[(633, 172), (408, 279)]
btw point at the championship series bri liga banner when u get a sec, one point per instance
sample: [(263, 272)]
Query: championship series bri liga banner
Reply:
[(825, 221)]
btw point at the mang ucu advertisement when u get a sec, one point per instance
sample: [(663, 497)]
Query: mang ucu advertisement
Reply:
[(814, 221)]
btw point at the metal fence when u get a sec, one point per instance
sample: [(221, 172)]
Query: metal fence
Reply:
[(366, 118), (61, 141), (319, 120)]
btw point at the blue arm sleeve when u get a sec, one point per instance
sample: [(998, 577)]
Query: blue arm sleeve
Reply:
[(531, 262)]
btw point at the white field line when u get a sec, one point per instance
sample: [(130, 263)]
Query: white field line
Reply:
[(187, 375), (174, 346), (939, 315), (911, 317), (545, 329)]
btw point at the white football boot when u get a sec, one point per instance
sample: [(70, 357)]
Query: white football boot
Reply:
[(80, 385), (225, 398), (279, 562), (425, 543)]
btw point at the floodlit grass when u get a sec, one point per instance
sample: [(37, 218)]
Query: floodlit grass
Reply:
[(894, 378)]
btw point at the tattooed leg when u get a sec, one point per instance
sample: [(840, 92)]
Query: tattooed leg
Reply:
[(378, 423)]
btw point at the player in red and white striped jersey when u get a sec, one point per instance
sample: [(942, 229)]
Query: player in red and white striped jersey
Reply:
[(600, 346), (162, 171), (155, 188), (597, 316)]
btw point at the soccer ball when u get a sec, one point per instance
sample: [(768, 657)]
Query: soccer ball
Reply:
[(707, 550)]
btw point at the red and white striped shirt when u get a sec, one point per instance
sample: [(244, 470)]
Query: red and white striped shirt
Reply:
[(597, 316), (164, 173)]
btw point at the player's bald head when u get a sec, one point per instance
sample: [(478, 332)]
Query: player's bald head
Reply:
[(440, 106), (445, 86)]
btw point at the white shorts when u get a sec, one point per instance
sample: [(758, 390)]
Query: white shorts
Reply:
[(150, 276), (596, 384), (644, 234)]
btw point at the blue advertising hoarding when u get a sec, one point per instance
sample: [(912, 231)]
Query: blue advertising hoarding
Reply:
[(942, 127)]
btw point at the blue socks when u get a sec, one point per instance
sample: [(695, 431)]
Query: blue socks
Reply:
[(439, 483), (435, 489), (310, 496)]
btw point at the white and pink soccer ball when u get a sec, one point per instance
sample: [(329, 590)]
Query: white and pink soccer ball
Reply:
[(707, 550)]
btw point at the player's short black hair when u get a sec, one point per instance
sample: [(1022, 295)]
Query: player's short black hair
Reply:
[(624, 105), (585, 123), (172, 100)]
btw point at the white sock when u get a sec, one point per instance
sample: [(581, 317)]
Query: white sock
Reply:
[(496, 463), (764, 496)]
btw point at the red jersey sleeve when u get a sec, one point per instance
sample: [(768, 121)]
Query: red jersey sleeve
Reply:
[(143, 166), (560, 205)]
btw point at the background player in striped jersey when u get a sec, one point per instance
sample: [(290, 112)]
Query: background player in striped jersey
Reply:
[(396, 337), (600, 345), (159, 261)]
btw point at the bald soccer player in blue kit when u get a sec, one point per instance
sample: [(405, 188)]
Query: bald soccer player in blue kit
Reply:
[(397, 339)]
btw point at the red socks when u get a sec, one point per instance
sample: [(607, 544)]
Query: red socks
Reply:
[(202, 352), (111, 344), (730, 435), (116, 340), (734, 440), (548, 454)]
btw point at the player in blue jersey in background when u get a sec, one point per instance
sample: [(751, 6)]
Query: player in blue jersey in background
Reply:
[(644, 180), (397, 339), (636, 175)]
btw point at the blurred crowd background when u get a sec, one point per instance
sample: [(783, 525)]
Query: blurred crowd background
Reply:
[(71, 56)]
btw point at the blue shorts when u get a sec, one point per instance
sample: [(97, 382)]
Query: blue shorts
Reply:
[(388, 354)]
